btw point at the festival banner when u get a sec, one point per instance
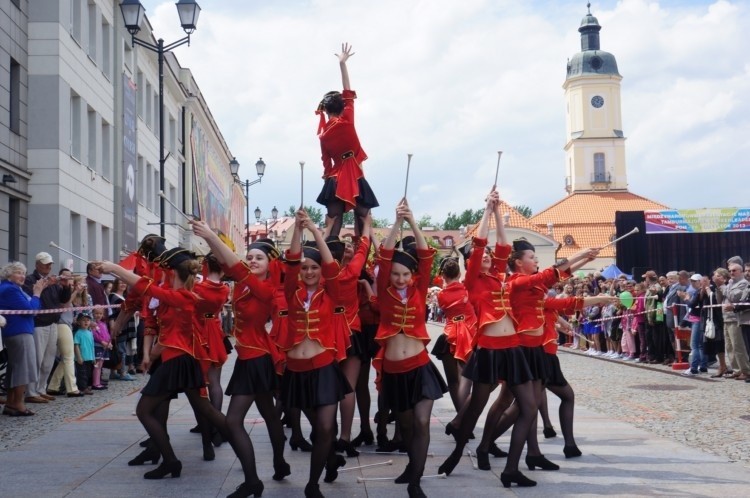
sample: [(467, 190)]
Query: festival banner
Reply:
[(129, 154), (213, 182), (698, 220)]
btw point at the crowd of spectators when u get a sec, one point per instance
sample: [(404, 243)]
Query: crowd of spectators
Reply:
[(52, 347)]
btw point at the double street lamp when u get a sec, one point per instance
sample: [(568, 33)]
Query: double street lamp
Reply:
[(274, 217), (132, 13), (260, 169)]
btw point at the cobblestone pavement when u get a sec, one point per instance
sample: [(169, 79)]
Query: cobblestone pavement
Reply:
[(709, 414), (15, 431)]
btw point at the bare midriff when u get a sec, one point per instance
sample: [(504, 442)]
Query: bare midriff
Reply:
[(501, 328), (401, 346), (305, 349)]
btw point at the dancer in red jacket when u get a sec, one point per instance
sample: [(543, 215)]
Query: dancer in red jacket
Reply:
[(345, 187)]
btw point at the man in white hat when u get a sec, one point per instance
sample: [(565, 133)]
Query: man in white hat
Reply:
[(45, 326)]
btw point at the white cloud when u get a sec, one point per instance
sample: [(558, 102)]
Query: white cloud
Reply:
[(453, 82)]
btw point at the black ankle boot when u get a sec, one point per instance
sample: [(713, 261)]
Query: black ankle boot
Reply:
[(244, 490), (532, 462), (450, 463), (483, 460), (364, 437), (496, 452), (507, 478), (208, 452), (549, 432), (571, 451), (281, 470), (301, 444), (312, 490), (332, 467), (346, 446), (173, 468), (145, 443), (415, 491), (144, 456), (405, 476)]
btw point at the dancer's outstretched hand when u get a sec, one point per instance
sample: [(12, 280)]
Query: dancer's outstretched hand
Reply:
[(346, 52)]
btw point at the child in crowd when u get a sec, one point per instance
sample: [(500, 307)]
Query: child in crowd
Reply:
[(83, 340), (608, 313), (102, 346), (628, 335)]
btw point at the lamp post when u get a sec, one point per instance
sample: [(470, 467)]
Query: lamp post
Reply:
[(260, 169), (274, 217), (132, 13)]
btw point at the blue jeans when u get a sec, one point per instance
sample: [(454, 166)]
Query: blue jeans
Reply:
[(697, 358)]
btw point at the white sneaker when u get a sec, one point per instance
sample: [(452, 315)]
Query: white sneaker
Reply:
[(597, 353), (689, 373)]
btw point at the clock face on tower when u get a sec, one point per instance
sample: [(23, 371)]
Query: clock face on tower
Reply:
[(597, 101)]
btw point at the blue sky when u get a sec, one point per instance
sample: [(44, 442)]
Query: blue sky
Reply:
[(453, 82)]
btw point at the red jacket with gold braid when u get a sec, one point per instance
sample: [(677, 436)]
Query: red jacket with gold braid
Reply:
[(252, 303), (210, 343), (552, 309), (318, 322), (342, 153), (460, 319), (487, 291), (135, 301), (176, 310), (527, 294), (348, 282), (399, 314)]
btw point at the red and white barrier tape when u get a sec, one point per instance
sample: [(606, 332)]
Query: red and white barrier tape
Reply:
[(57, 310)]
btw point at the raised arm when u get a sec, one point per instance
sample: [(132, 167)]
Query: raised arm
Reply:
[(489, 208), (499, 222), (346, 52), (390, 240), (223, 253), (325, 253), (406, 214)]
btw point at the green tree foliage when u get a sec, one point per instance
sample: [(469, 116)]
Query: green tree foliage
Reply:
[(315, 214), (426, 221), (465, 219), (523, 210)]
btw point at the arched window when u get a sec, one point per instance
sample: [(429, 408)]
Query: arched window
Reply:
[(600, 174)]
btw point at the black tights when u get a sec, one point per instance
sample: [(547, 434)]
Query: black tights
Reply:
[(238, 408), (150, 411), (336, 213), (362, 391), (527, 406), (494, 416), (323, 420), (459, 386), (567, 407), (415, 432)]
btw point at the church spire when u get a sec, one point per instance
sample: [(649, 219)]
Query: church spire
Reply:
[(589, 31)]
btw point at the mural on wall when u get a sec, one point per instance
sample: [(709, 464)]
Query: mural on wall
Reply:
[(214, 198)]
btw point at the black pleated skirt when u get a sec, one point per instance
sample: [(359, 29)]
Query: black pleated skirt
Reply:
[(253, 376), (359, 347), (535, 359), (404, 390), (366, 196), (441, 347), (321, 386), (490, 366), (555, 376), (175, 376)]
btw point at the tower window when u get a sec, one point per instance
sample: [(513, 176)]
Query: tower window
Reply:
[(599, 167)]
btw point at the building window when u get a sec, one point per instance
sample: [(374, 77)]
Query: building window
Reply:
[(147, 98), (75, 126), (600, 174), (157, 200), (106, 49), (15, 97), (140, 172), (127, 55), (76, 15), (92, 22), (172, 135), (106, 150), (106, 244), (173, 198), (75, 236), (449, 242), (149, 187), (14, 229), (156, 112), (93, 149)]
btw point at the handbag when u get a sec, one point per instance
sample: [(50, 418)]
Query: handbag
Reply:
[(710, 329)]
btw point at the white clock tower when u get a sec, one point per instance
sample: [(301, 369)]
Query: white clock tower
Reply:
[(595, 145)]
